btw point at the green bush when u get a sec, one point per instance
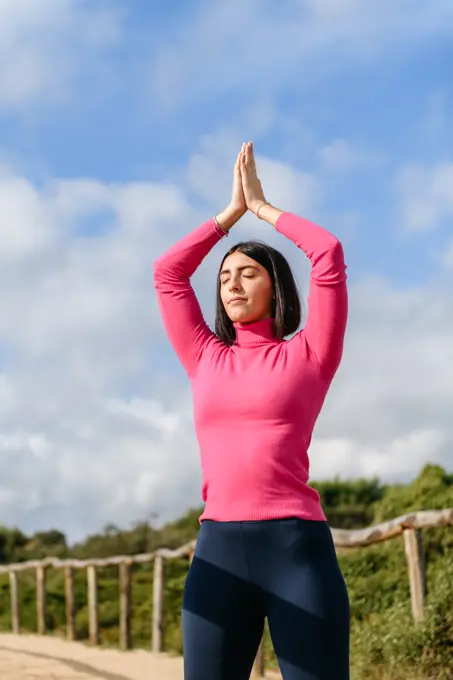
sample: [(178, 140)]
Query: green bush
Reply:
[(391, 645)]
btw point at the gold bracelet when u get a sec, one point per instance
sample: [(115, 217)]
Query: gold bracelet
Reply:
[(259, 208)]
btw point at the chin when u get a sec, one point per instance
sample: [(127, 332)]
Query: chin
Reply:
[(244, 317), (237, 316)]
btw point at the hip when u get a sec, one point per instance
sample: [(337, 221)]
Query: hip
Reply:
[(279, 543), (290, 559)]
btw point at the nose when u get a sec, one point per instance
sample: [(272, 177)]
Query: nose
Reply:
[(234, 284)]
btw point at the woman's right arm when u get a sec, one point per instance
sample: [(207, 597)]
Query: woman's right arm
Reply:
[(179, 307)]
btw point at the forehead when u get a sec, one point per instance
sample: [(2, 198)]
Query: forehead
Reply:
[(239, 259)]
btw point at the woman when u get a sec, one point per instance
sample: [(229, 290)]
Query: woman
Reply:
[(264, 548)]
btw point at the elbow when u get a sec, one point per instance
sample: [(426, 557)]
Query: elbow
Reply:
[(337, 261), (156, 271), (336, 249), (330, 269), (160, 273), (331, 252), (167, 276)]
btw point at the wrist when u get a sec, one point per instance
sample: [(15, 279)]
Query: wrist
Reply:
[(234, 213), (268, 213), (255, 205), (228, 217)]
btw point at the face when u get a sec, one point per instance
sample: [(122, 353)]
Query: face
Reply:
[(245, 289)]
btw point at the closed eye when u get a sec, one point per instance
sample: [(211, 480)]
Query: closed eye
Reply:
[(246, 272)]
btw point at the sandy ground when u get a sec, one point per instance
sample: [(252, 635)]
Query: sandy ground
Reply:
[(28, 657)]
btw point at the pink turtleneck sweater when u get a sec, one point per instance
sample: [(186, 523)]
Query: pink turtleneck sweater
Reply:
[(256, 403)]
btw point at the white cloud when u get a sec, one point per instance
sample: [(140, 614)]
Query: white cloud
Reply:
[(260, 51), (64, 288), (26, 228), (342, 156), (390, 461), (389, 409), (45, 44), (95, 412), (425, 195)]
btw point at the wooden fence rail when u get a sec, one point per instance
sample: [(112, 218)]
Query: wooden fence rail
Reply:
[(409, 526)]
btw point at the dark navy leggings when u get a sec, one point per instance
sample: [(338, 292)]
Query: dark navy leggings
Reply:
[(285, 570)]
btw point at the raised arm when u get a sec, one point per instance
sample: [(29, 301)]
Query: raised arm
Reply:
[(180, 310), (179, 307), (328, 300)]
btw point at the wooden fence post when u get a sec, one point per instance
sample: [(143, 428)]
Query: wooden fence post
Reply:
[(15, 624), (93, 604), (125, 605), (158, 599), (70, 603), (41, 600), (413, 546), (258, 666)]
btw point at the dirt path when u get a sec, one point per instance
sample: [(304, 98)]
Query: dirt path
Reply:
[(28, 657)]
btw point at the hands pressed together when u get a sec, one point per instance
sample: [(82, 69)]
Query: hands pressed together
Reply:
[(247, 192)]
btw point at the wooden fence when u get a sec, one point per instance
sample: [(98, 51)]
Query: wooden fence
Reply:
[(409, 526)]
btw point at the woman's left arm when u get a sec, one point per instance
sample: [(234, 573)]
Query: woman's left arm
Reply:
[(325, 326), (328, 298)]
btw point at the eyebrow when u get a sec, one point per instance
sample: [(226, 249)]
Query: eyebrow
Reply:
[(247, 266)]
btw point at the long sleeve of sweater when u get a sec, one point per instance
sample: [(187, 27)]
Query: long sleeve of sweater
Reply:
[(180, 310), (328, 300)]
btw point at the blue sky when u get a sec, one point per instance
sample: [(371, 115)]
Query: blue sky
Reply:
[(393, 101), (119, 125)]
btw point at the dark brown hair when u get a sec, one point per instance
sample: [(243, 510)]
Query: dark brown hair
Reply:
[(286, 306)]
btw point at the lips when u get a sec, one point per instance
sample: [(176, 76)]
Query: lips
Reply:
[(237, 299)]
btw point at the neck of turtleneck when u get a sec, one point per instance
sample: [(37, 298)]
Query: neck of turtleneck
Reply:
[(255, 333)]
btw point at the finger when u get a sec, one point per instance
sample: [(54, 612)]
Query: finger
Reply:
[(252, 154), (251, 158), (247, 154), (239, 157)]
